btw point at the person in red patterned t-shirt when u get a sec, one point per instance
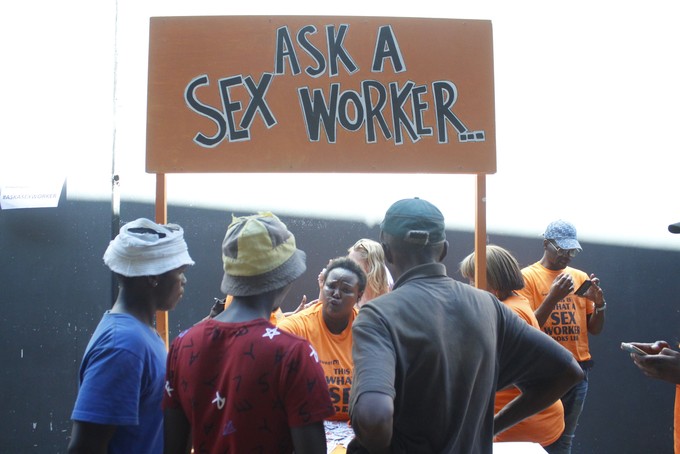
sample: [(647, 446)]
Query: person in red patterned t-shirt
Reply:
[(236, 383)]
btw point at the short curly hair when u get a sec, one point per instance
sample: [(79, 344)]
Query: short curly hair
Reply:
[(350, 265)]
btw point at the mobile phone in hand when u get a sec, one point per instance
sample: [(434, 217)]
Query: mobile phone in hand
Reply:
[(630, 348), (583, 288)]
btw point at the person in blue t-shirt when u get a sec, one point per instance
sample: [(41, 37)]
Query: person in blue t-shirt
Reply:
[(122, 375)]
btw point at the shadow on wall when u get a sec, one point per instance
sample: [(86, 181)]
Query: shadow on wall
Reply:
[(54, 288)]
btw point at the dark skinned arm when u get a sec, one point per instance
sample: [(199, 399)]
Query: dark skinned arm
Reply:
[(560, 288), (176, 432), (594, 294), (661, 362), (372, 421), (90, 438), (537, 396), (309, 439)]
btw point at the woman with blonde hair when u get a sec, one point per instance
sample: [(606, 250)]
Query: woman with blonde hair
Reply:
[(504, 277), (370, 256)]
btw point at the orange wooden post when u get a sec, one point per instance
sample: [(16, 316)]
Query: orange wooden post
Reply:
[(162, 218), (480, 232)]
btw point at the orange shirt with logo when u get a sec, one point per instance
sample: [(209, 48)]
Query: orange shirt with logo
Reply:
[(568, 322), (334, 350)]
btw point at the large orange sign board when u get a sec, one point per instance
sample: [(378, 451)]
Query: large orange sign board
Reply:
[(320, 94)]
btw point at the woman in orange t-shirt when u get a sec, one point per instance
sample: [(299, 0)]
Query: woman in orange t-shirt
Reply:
[(504, 277), (327, 325)]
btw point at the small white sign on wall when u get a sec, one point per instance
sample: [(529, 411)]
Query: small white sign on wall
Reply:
[(38, 192)]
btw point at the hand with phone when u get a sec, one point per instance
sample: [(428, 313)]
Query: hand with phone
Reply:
[(583, 288), (590, 289), (659, 361), (632, 348)]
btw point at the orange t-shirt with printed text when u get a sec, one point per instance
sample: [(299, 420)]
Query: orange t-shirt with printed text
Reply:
[(334, 350), (568, 322), (544, 427)]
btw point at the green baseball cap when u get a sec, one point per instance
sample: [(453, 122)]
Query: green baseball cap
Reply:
[(415, 221)]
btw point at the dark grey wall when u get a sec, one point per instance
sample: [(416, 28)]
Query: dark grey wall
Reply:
[(54, 288)]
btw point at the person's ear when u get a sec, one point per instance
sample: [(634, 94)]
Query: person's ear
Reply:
[(387, 252), (445, 250), (152, 281)]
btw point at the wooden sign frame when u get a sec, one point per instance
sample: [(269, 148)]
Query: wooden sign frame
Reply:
[(321, 94)]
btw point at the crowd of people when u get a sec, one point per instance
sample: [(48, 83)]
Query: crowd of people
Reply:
[(409, 357)]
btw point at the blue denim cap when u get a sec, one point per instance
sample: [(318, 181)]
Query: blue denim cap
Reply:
[(415, 221), (563, 234)]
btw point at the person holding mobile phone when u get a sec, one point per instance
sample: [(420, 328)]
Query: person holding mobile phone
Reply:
[(662, 363), (551, 286)]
